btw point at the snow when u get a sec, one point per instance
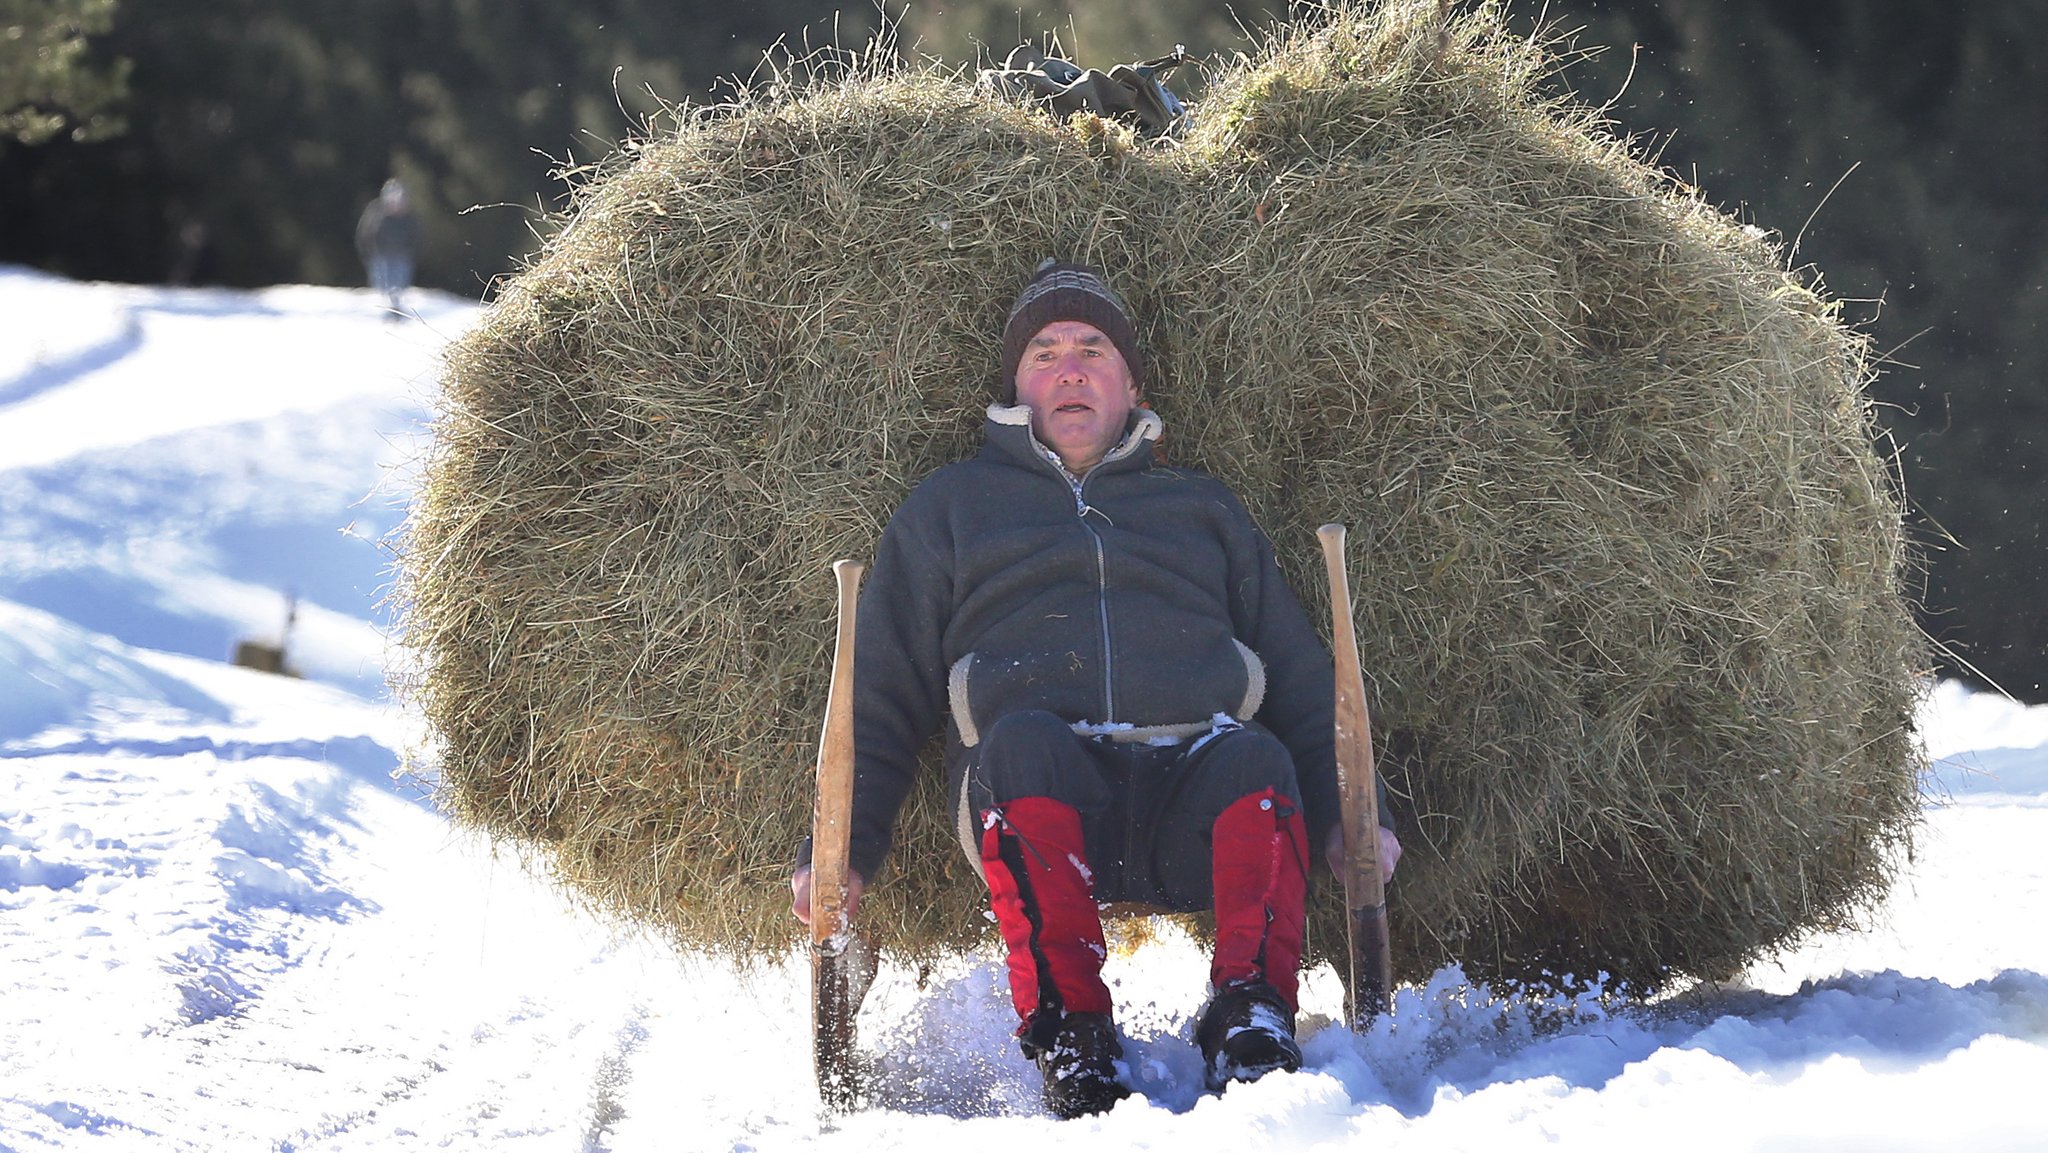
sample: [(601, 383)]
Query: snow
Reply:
[(224, 925)]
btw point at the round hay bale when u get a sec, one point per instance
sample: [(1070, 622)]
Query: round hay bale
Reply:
[(1627, 566)]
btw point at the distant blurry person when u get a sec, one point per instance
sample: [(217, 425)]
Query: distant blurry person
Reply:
[(387, 235), (192, 262)]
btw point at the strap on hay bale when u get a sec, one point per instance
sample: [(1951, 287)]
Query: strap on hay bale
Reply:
[(1131, 93)]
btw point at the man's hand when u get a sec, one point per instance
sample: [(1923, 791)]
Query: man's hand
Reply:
[(800, 893), (1333, 852)]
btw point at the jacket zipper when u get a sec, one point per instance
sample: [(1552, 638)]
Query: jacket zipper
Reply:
[(1081, 511)]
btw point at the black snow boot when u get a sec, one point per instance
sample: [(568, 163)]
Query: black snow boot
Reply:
[(1080, 1065), (1246, 1032)]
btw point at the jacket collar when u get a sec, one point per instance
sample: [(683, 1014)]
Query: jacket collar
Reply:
[(1009, 428)]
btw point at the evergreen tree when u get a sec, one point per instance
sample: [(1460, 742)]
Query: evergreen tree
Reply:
[(46, 83)]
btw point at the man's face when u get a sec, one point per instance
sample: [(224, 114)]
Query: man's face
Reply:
[(1079, 389)]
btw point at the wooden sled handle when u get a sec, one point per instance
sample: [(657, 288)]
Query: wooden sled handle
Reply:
[(1371, 965), (836, 987)]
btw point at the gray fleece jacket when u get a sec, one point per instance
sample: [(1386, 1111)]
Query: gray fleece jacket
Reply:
[(1138, 601)]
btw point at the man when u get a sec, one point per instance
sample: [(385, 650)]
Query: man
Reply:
[(387, 235), (1136, 707)]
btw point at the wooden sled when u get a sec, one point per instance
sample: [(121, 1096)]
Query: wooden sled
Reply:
[(842, 966)]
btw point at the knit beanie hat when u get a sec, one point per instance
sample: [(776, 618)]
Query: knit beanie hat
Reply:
[(1061, 291)]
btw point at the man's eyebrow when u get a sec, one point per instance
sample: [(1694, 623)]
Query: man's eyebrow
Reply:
[(1090, 338)]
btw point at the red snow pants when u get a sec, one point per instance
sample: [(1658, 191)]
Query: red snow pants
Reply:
[(1067, 821)]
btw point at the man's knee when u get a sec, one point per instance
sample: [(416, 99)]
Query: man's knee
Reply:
[(1224, 770), (1239, 763), (1033, 754)]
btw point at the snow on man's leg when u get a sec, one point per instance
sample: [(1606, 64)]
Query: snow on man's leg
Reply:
[(1261, 879), (1044, 902), (1260, 859)]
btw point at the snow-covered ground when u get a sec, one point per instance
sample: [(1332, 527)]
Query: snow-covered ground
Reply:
[(223, 926)]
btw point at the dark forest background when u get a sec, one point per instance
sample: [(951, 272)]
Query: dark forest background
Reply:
[(1899, 147)]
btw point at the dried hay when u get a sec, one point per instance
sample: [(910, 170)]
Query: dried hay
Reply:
[(1627, 567)]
